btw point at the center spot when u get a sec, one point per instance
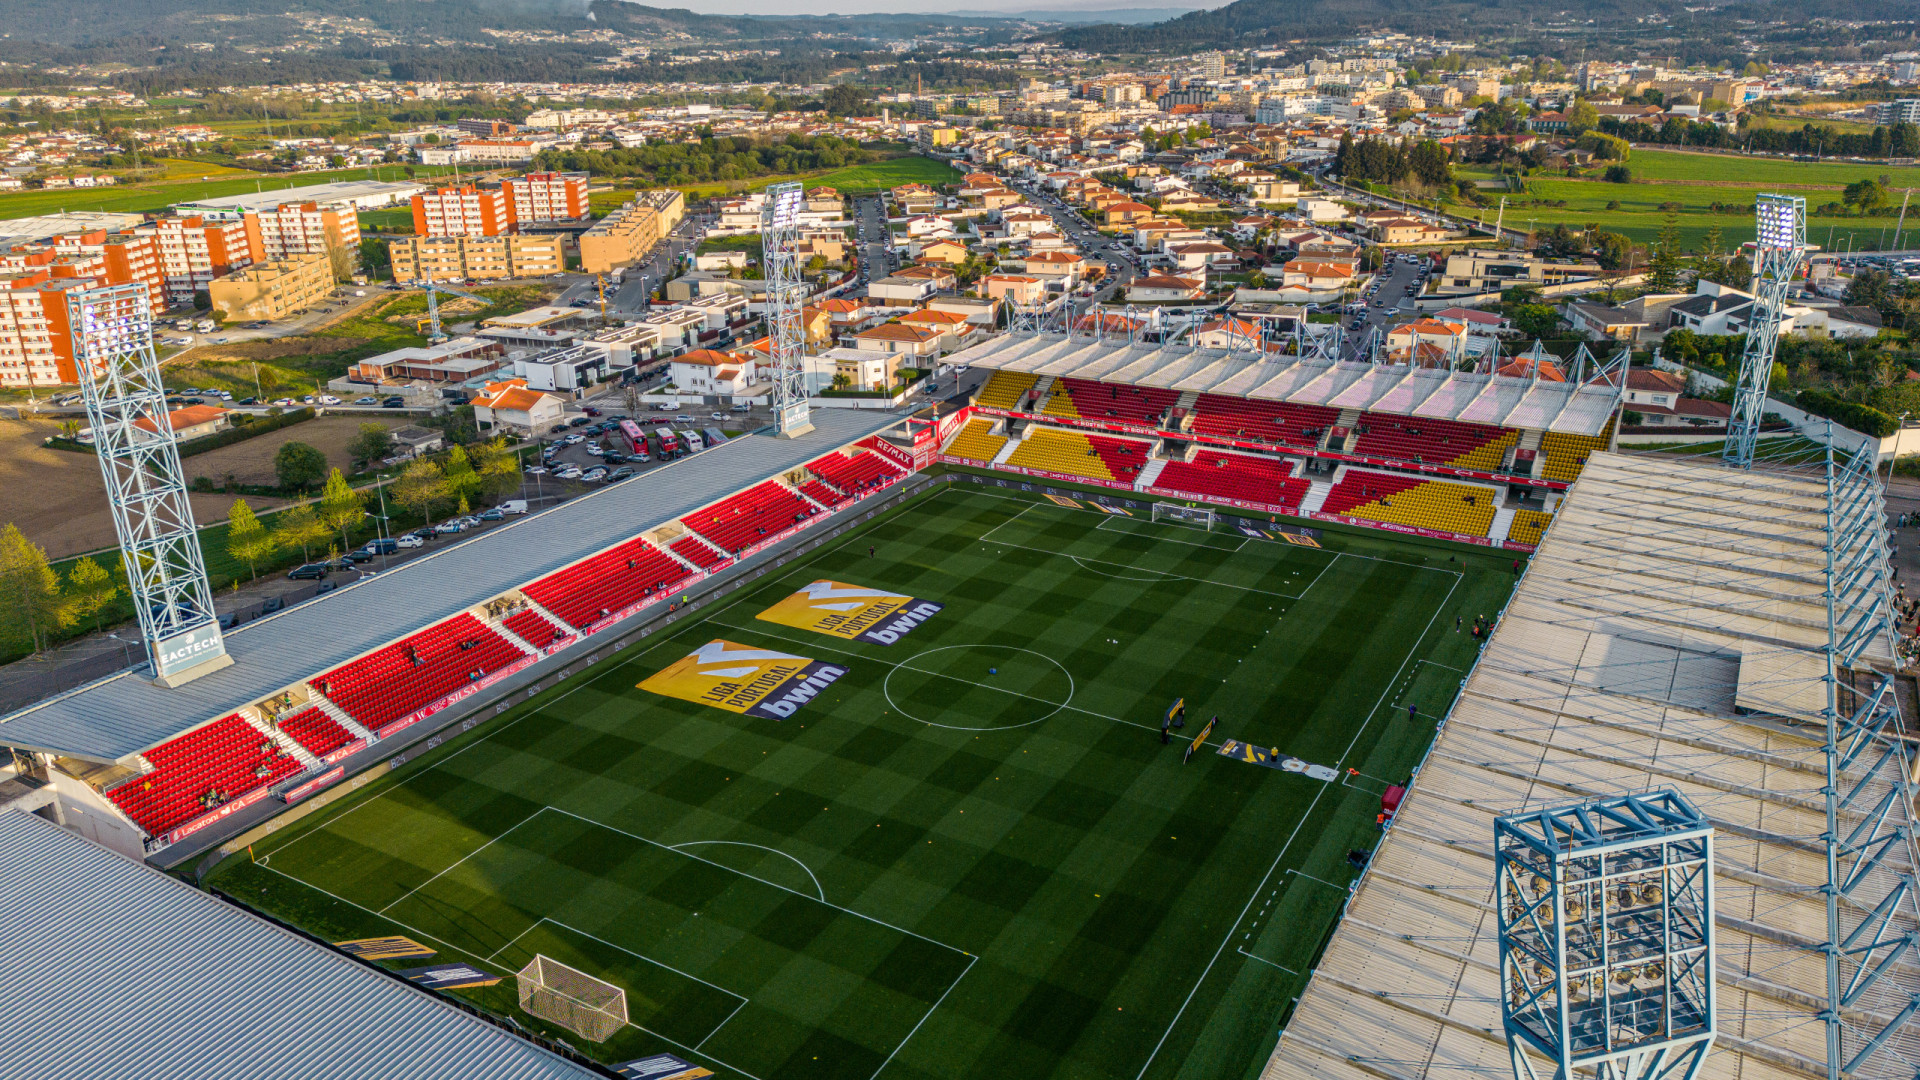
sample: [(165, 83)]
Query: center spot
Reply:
[(979, 687)]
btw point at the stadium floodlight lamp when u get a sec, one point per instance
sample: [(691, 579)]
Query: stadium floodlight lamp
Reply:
[(786, 207), (1780, 220)]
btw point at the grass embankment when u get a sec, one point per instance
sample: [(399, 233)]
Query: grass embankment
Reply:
[(159, 194)]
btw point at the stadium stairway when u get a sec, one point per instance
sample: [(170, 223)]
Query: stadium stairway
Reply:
[(694, 551), (339, 715), (1316, 495), (1042, 394), (802, 495), (1502, 521), (287, 744), (514, 639), (1149, 474), (1007, 450), (1349, 422), (1529, 440)]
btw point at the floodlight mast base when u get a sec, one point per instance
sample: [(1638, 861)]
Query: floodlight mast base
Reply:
[(786, 293), (1780, 247)]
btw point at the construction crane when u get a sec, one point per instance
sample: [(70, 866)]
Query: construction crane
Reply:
[(600, 282), (433, 290)]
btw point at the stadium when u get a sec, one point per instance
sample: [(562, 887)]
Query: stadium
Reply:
[(1144, 711)]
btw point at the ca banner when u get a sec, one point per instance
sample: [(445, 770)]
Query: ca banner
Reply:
[(744, 679), (852, 612)]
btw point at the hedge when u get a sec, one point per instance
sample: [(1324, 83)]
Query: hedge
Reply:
[(1861, 418)]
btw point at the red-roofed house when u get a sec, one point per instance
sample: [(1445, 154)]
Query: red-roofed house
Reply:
[(190, 422), (511, 404), (899, 337)]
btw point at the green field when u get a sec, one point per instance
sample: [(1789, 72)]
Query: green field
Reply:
[(1757, 171), (971, 856), (854, 180), (143, 198)]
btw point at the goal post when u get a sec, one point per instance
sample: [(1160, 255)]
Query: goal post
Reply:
[(1199, 517), (591, 1008)]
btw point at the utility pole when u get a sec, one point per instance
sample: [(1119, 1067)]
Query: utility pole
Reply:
[(1903, 219)]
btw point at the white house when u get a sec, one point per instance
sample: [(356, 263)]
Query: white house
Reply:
[(512, 404)]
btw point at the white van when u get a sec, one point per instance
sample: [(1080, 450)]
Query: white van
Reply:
[(691, 439), (514, 506)]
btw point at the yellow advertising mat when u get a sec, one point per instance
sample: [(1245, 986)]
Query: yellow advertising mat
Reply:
[(384, 948), (852, 612), (744, 679)]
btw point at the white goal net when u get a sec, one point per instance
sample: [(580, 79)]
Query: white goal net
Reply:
[(1199, 517), (590, 1008)]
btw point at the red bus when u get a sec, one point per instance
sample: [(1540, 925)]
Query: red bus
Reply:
[(636, 439), (669, 444)]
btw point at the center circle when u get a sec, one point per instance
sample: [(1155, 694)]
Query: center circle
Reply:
[(979, 687)]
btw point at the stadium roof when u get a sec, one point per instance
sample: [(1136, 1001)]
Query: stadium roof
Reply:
[(356, 193), (117, 970), (1669, 633), (1398, 389), (127, 713), (28, 229)]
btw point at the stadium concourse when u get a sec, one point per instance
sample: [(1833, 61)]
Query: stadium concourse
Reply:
[(1671, 632), (1480, 457), (315, 691)]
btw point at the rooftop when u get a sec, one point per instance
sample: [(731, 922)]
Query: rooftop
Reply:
[(217, 992)]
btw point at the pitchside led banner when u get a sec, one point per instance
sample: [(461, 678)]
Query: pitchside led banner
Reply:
[(854, 612), (743, 679)]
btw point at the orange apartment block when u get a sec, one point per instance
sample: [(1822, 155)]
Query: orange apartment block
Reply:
[(462, 211)]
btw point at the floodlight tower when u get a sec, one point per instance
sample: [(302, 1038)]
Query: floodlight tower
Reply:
[(786, 292), (1779, 249), (1606, 937), (112, 333)]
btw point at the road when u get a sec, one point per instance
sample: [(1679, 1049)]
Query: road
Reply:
[(877, 257), (1094, 246), (1384, 300)]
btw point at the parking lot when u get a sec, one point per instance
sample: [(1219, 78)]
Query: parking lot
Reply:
[(592, 449)]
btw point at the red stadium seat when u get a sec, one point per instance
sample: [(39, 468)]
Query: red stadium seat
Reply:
[(408, 675), (1261, 421), (534, 628), (229, 756), (315, 730), (751, 516), (608, 582), (1234, 476)]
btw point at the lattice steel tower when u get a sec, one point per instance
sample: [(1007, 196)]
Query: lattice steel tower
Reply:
[(1779, 249), (786, 292), (112, 336), (1606, 937)]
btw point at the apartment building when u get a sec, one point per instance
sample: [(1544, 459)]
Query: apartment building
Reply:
[(274, 289), (306, 229), (1492, 271), (462, 211), (548, 196), (196, 249), (475, 258), (630, 232), (498, 150)]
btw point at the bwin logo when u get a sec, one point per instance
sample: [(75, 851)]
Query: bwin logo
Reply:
[(716, 652), (803, 691), (905, 621)]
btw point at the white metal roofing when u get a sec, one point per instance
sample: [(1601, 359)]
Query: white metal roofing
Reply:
[(116, 970), (1664, 590), (127, 713), (1387, 388), (360, 194)]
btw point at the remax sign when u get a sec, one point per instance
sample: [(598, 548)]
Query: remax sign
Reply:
[(172, 655)]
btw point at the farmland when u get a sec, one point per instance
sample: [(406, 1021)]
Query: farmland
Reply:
[(157, 195)]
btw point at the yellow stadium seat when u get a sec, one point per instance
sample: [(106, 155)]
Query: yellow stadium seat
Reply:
[(1528, 526), (977, 442), (1004, 389)]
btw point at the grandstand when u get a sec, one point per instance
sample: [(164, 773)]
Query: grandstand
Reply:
[(334, 678), (1671, 632)]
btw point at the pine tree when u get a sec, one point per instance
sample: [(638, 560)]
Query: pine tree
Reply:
[(1663, 273), (340, 506), (247, 539), (30, 601), (90, 588), (421, 488)]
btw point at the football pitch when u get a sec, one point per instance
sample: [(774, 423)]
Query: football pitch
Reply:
[(966, 853)]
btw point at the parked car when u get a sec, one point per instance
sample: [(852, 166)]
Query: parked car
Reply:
[(366, 401), (571, 472), (595, 474), (449, 528), (308, 572), (590, 410), (573, 440), (620, 473), (513, 506), (535, 470), (409, 541), (394, 403), (492, 515), (578, 421)]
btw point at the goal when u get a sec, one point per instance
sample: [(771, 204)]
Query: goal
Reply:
[(590, 1008), (1200, 517)]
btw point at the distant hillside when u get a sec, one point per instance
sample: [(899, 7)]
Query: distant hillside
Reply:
[(1246, 23)]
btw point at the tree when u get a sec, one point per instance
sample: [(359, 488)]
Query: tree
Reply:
[(1582, 117), (462, 481), (498, 467), (299, 527), (1535, 320), (247, 539), (299, 466), (843, 99), (340, 506), (1663, 272), (30, 600), (89, 590), (421, 488), (1617, 174), (1865, 195), (373, 443), (1610, 249), (1428, 161)]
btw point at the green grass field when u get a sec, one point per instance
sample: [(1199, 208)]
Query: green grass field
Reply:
[(156, 195), (1756, 171), (936, 868)]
